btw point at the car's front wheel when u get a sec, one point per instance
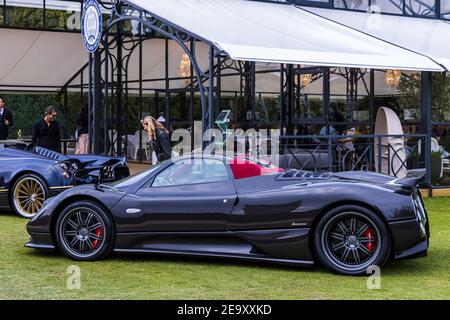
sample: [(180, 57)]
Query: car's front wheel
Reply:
[(84, 231), (350, 239), (28, 195)]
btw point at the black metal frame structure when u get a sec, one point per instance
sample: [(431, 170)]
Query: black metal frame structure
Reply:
[(108, 89), (122, 11), (108, 93), (411, 8)]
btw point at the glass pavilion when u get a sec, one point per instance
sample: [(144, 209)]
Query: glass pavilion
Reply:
[(316, 70)]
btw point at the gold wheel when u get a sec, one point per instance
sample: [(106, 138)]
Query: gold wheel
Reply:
[(29, 196)]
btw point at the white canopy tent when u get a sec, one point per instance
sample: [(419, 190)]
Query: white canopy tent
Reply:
[(427, 37), (38, 59), (269, 32)]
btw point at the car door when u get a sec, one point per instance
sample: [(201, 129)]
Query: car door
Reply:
[(189, 195)]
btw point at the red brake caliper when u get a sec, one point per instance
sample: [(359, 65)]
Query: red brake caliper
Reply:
[(98, 233), (369, 234)]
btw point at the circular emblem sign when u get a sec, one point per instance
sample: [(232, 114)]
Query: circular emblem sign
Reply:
[(91, 25)]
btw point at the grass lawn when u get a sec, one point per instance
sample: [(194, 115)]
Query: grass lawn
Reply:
[(29, 274)]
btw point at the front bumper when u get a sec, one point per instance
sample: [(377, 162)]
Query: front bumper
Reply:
[(40, 241)]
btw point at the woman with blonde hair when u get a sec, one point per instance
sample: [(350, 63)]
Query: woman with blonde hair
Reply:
[(158, 138)]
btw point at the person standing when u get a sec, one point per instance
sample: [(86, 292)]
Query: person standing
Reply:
[(46, 133), (6, 120), (82, 131), (158, 137)]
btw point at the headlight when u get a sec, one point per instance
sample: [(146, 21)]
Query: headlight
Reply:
[(74, 166), (65, 166)]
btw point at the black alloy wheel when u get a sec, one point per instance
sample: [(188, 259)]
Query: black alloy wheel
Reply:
[(84, 231), (350, 239)]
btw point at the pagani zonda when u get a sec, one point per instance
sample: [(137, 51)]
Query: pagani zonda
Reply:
[(220, 207), (29, 175)]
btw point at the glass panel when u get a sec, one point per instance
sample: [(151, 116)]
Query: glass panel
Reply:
[(2, 14), (389, 6), (267, 97), (308, 96), (349, 102), (179, 107), (441, 93), (267, 108), (440, 156), (25, 14), (409, 97), (445, 9), (421, 8), (63, 15), (352, 4), (192, 172)]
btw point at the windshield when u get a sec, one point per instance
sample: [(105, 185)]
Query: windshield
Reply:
[(131, 180)]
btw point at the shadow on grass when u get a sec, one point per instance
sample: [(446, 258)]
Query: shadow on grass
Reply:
[(209, 261), (10, 213), (404, 267)]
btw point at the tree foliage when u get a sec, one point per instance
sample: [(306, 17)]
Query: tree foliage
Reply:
[(410, 90)]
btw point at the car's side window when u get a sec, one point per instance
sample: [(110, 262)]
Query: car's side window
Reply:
[(192, 171)]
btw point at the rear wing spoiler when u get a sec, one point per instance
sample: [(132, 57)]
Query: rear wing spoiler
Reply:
[(412, 177)]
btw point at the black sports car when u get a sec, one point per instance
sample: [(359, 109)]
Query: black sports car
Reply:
[(29, 175), (237, 208)]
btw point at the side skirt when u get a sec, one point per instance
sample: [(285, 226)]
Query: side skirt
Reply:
[(285, 246), (255, 258)]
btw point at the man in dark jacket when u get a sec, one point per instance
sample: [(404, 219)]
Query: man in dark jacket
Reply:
[(46, 133), (6, 120)]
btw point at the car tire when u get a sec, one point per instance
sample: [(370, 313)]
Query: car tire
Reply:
[(85, 231), (28, 195), (350, 239)]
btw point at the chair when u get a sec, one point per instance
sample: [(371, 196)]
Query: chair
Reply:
[(144, 145), (435, 147), (445, 167), (132, 145)]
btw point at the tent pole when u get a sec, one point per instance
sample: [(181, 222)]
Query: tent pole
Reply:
[(426, 104)]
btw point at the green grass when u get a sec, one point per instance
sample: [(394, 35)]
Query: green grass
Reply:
[(29, 274)]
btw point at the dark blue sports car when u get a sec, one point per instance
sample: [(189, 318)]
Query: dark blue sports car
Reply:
[(224, 207), (29, 175)]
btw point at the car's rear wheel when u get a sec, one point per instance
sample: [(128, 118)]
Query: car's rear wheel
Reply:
[(350, 239), (28, 195), (84, 231)]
